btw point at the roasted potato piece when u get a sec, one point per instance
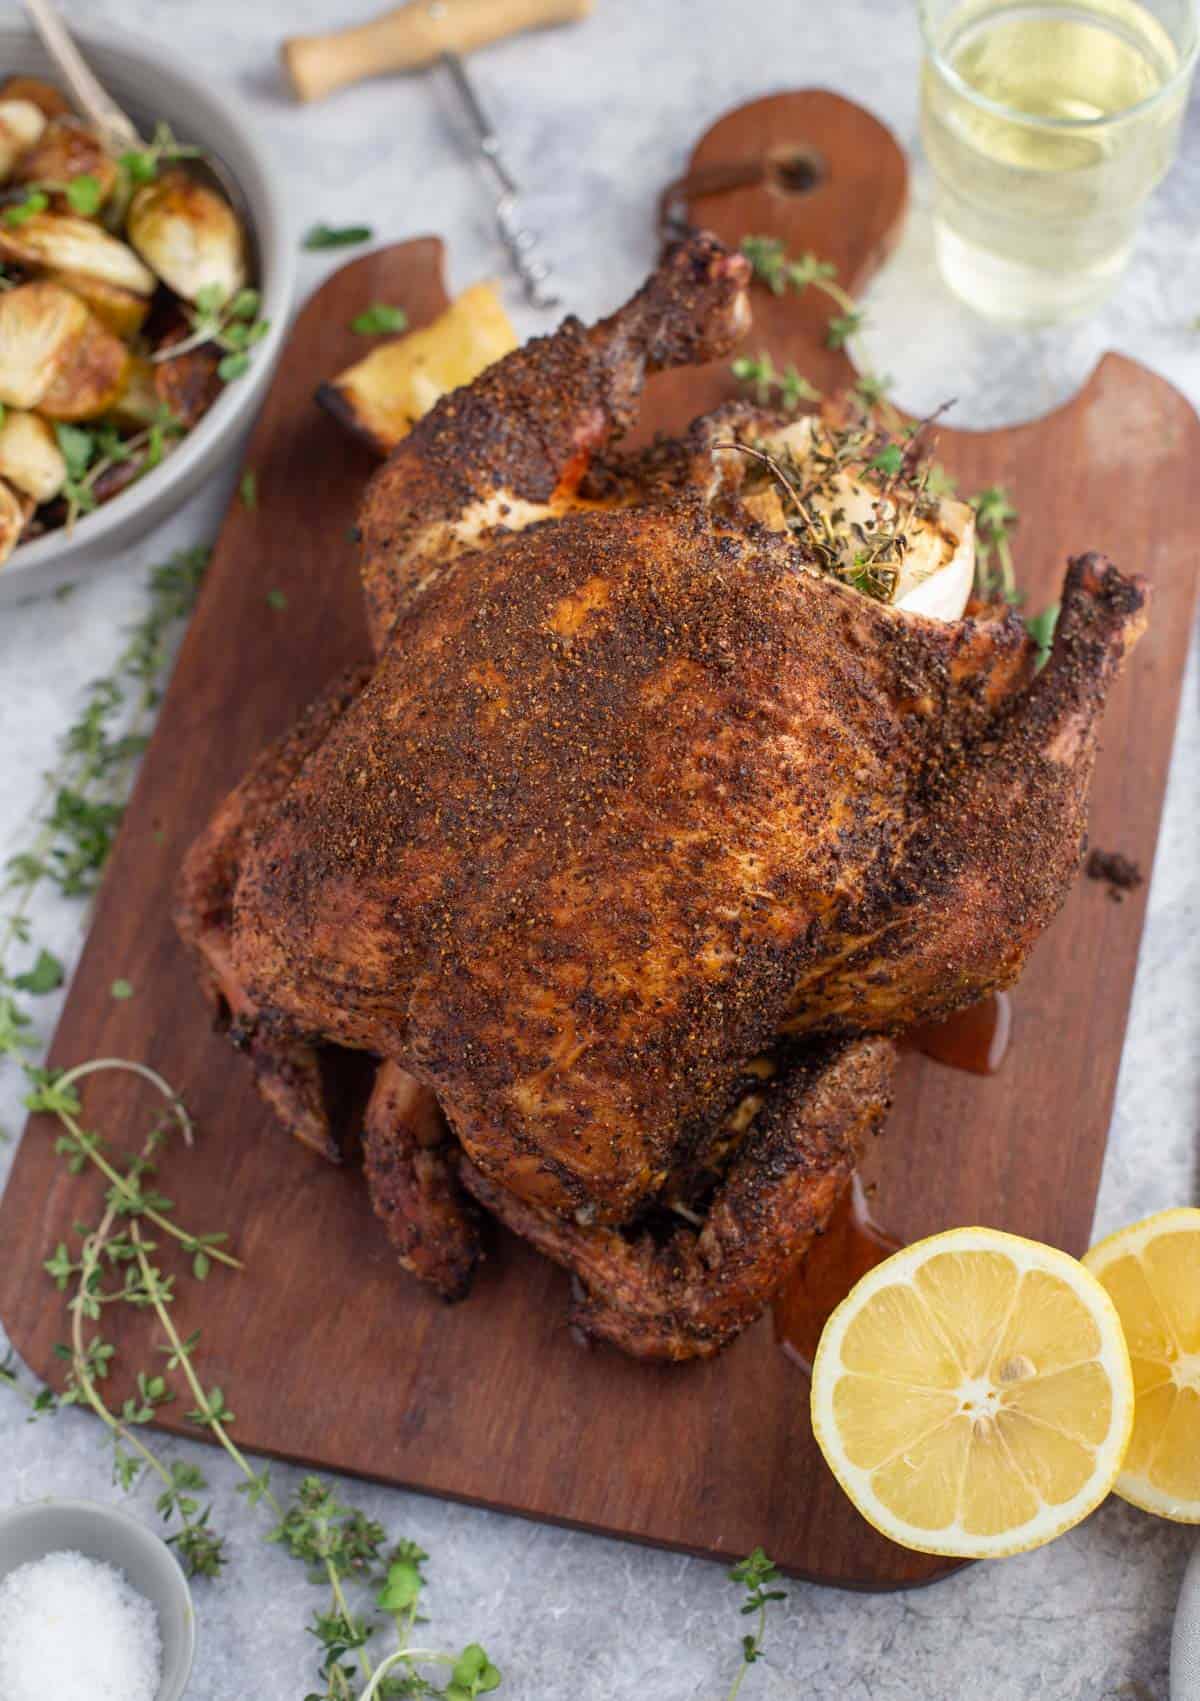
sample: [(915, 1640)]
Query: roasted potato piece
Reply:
[(65, 149), (382, 396), (120, 310), (188, 235), (30, 458), (62, 242), (12, 521), (90, 379), (51, 102), (21, 123), (39, 324)]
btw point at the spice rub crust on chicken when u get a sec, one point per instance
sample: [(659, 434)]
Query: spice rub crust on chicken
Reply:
[(648, 832)]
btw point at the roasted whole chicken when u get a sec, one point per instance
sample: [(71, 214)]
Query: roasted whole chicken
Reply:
[(662, 810)]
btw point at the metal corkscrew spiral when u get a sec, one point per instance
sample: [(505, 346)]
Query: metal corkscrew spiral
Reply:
[(519, 240)]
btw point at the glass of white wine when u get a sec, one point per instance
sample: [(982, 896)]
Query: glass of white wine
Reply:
[(1047, 126)]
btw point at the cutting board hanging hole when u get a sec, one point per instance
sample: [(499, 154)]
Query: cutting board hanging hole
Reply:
[(796, 169)]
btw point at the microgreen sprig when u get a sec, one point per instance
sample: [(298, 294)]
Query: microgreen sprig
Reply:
[(83, 194), (773, 266), (35, 200), (141, 164), (92, 451), (380, 318), (789, 388), (995, 518), (336, 236), (231, 322)]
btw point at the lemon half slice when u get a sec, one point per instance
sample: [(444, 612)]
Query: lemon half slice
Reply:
[(973, 1394), (1151, 1270)]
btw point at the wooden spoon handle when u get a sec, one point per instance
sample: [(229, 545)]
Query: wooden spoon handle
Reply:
[(412, 36)]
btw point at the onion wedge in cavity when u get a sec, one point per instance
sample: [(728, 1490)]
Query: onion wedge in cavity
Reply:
[(936, 570)]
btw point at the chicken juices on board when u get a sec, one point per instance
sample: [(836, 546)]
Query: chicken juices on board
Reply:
[(637, 799)]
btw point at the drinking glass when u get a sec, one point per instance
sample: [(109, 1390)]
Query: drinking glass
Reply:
[(1047, 127)]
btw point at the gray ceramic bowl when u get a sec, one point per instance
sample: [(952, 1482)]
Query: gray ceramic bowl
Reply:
[(150, 83), (102, 1532)]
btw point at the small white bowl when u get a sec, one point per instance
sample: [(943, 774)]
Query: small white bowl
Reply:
[(150, 83), (30, 1532)]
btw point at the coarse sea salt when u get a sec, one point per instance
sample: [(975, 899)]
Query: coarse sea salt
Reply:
[(75, 1629)]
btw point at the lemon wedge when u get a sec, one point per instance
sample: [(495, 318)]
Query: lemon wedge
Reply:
[(1151, 1271), (973, 1394)]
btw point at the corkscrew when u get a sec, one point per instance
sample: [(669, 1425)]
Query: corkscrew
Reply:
[(427, 32)]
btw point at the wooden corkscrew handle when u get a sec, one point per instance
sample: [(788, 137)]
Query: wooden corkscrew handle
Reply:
[(412, 36)]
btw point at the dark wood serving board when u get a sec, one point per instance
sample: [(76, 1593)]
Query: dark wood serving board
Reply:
[(329, 1355)]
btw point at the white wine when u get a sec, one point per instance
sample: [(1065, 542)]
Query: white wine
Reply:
[(1046, 126)]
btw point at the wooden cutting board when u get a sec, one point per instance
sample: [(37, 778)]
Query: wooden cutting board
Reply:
[(328, 1353)]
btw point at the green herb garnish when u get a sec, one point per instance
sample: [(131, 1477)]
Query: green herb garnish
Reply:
[(335, 236), (232, 324), (888, 461), (46, 975), (84, 194), (36, 201), (277, 599), (379, 319), (91, 451), (141, 164), (248, 490), (787, 388), (1041, 629), (995, 518)]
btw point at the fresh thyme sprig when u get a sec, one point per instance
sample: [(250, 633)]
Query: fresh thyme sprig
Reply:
[(757, 1573), (788, 387), (772, 265), (321, 236), (115, 1262), (83, 797), (105, 1248), (339, 1544), (995, 518)]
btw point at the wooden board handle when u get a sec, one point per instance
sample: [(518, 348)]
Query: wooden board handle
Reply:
[(412, 36)]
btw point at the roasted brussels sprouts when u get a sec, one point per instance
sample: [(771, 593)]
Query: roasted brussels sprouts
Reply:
[(21, 123), (13, 515), (188, 235), (30, 457), (63, 242), (65, 150)]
